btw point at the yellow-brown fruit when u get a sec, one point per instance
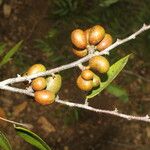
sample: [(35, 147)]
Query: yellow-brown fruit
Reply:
[(78, 39), (85, 85), (96, 80), (80, 53), (87, 32), (87, 74), (99, 63), (96, 34), (36, 69), (39, 84), (44, 97), (106, 42), (54, 83)]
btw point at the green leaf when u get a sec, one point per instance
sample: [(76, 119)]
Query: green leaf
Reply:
[(112, 74), (11, 52), (2, 48), (32, 138), (118, 92), (107, 3), (4, 143)]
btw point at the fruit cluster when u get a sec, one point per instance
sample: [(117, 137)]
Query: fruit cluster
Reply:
[(96, 38), (45, 88), (88, 79)]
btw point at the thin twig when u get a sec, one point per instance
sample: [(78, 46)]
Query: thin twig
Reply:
[(114, 112), (4, 85), (17, 90), (75, 63), (17, 123), (85, 106)]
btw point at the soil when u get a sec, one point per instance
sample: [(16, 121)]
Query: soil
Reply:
[(61, 127)]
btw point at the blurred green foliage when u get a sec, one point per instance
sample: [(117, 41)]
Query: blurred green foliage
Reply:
[(119, 16), (51, 47), (119, 92), (32, 138), (71, 117), (4, 142), (27, 135), (8, 54)]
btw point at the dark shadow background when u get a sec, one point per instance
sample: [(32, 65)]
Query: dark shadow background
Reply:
[(45, 27)]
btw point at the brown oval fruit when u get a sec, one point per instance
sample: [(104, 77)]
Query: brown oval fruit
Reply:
[(80, 53), (87, 74), (54, 83), (106, 42), (96, 34), (99, 63), (78, 39), (36, 69), (39, 84), (85, 85), (44, 97), (96, 80), (87, 32)]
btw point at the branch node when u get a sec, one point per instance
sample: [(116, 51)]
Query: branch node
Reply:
[(116, 110), (53, 74), (29, 80), (133, 37), (144, 25), (18, 75), (107, 53), (81, 67), (118, 40), (96, 53), (129, 118), (57, 98), (86, 102), (147, 117), (29, 89)]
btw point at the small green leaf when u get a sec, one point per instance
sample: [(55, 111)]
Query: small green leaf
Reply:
[(112, 74), (4, 143), (118, 92), (11, 52), (32, 138), (107, 3)]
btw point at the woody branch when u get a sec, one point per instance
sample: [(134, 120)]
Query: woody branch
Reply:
[(4, 85)]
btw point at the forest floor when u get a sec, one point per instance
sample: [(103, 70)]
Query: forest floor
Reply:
[(61, 127)]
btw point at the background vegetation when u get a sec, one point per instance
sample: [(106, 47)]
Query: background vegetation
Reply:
[(45, 29)]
